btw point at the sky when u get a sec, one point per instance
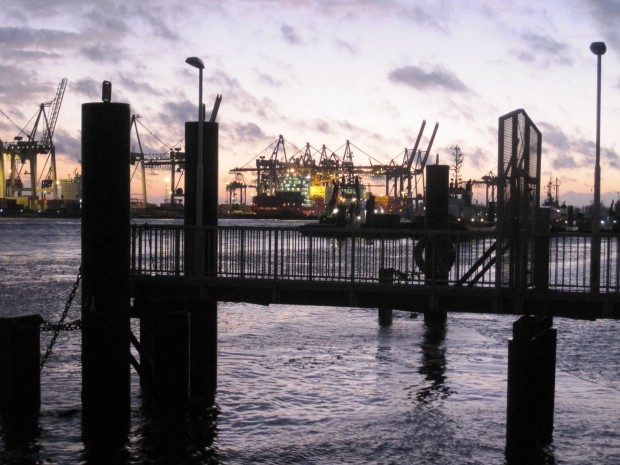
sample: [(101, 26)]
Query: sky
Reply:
[(324, 72)]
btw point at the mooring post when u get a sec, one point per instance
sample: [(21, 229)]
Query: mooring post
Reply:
[(203, 312), (105, 267), (386, 276), (20, 379), (531, 386), (437, 195)]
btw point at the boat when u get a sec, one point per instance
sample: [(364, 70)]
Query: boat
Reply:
[(283, 205)]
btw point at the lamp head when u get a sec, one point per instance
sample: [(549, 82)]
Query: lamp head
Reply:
[(598, 48), (195, 62)]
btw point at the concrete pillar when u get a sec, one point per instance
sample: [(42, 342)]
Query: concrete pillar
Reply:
[(105, 267), (531, 386)]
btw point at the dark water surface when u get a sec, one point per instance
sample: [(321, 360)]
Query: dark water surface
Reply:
[(318, 385)]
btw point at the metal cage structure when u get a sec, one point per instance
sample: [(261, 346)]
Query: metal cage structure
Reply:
[(518, 197)]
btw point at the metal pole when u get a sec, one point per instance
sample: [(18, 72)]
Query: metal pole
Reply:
[(599, 49), (199, 169)]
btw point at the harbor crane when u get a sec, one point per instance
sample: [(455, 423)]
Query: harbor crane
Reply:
[(173, 160), (26, 148)]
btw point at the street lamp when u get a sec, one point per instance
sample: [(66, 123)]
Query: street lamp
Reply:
[(599, 49), (198, 63)]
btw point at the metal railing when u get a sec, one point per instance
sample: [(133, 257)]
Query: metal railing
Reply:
[(406, 257)]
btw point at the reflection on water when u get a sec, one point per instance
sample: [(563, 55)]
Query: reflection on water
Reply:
[(433, 364)]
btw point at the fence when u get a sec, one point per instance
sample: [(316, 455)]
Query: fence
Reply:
[(359, 256)]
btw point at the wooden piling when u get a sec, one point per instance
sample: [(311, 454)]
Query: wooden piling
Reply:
[(531, 386), (105, 266)]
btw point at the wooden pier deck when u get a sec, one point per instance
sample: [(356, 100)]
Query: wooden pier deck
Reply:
[(376, 269)]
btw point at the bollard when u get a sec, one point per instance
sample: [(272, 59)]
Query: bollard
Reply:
[(20, 379), (531, 387)]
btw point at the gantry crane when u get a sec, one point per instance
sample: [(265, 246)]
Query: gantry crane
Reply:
[(27, 151)]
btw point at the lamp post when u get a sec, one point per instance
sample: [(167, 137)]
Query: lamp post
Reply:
[(198, 63), (199, 259), (599, 49)]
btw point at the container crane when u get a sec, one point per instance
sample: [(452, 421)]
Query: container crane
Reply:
[(27, 151)]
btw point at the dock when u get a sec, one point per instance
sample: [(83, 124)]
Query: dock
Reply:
[(374, 268)]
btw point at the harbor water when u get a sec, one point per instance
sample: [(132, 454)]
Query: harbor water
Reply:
[(318, 385)]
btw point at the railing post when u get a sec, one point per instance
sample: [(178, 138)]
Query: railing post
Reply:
[(177, 252), (242, 253), (310, 258), (353, 237), (276, 252)]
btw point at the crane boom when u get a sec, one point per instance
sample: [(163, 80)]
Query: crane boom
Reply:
[(54, 111), (415, 147), (430, 144)]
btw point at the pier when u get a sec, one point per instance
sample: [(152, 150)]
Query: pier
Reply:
[(374, 268)]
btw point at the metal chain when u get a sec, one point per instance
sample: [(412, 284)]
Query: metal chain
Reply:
[(61, 326)]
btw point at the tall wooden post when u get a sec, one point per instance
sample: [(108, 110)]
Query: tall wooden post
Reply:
[(105, 267), (531, 386), (203, 312)]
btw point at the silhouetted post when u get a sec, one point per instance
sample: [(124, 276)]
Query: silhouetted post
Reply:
[(203, 313), (170, 355), (437, 195), (105, 267), (20, 379), (386, 276), (541, 249), (531, 386)]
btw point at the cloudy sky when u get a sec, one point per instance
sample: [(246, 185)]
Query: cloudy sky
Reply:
[(324, 72)]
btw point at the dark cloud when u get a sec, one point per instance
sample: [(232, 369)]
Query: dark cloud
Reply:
[(322, 126), (139, 87), (571, 153), (237, 96), (346, 46), (26, 38), (87, 87), (102, 52), (247, 132), (175, 113), (554, 136), (68, 145), (290, 35), (606, 14), (268, 79), (423, 78), (610, 158), (477, 158), (542, 50)]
